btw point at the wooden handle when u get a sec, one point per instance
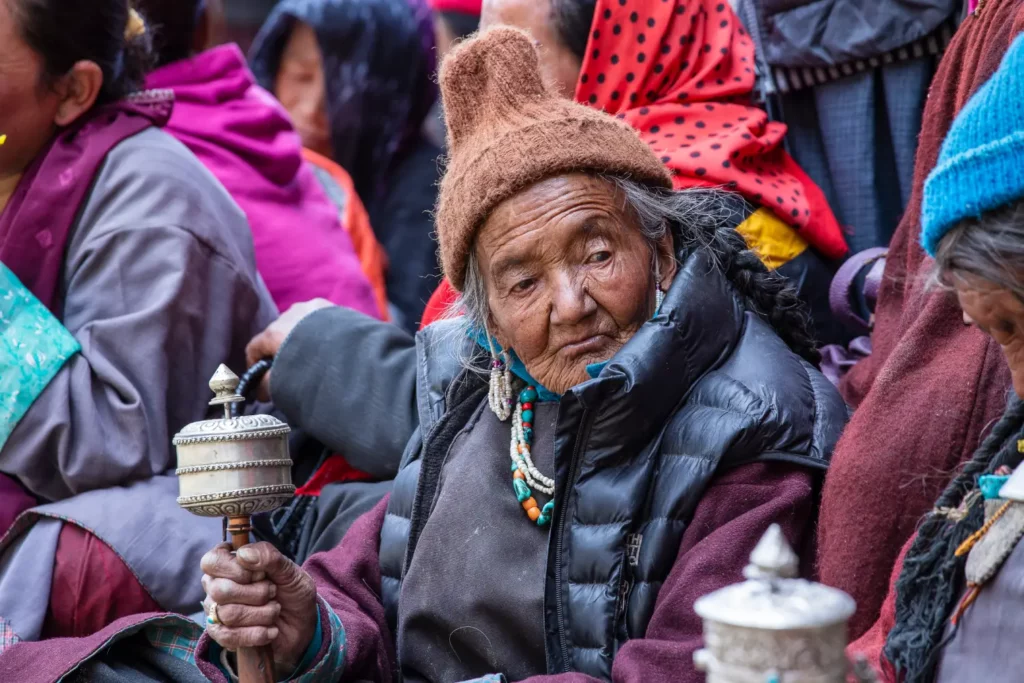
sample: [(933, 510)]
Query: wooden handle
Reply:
[(255, 664)]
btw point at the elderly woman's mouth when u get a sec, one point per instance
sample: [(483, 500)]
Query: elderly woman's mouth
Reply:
[(587, 346)]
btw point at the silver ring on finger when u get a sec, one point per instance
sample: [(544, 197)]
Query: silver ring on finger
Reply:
[(212, 617)]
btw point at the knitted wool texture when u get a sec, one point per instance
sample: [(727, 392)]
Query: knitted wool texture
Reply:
[(980, 165), (508, 131)]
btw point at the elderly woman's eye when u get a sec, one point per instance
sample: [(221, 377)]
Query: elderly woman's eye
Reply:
[(523, 285), (599, 257)]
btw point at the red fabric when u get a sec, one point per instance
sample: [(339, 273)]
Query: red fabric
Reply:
[(464, 6), (682, 73), (92, 587), (440, 301), (334, 470), (36, 222), (872, 643), (931, 386)]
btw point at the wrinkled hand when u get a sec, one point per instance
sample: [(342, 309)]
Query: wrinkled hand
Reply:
[(268, 342), (262, 598)]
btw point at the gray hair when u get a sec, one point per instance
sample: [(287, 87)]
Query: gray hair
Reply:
[(697, 219), (990, 248)]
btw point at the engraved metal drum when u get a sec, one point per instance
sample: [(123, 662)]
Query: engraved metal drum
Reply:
[(774, 627), (233, 466)]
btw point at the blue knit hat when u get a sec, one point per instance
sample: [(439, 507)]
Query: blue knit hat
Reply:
[(981, 165)]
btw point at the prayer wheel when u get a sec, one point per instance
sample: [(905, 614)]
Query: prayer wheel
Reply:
[(773, 627), (235, 467)]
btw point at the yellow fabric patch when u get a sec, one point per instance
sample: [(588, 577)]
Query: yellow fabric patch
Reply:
[(773, 240)]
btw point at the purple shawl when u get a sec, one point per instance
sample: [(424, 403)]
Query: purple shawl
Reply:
[(38, 219), (35, 225)]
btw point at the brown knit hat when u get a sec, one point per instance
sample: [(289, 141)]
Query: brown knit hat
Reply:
[(507, 131)]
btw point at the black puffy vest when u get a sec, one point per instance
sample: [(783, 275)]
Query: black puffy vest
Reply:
[(703, 387)]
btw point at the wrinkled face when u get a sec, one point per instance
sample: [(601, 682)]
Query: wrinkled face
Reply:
[(1000, 314), (299, 85), (558, 65), (569, 276), (27, 107)]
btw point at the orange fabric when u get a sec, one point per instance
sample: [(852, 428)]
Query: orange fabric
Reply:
[(681, 74), (357, 224)]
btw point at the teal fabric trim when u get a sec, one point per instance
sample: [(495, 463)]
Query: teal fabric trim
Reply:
[(178, 638), (990, 485), (33, 348), (314, 647), (331, 667), (594, 369), (517, 367)]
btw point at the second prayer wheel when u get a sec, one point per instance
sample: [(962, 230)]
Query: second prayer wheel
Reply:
[(774, 627)]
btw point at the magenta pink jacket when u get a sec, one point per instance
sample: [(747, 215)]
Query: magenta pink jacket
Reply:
[(245, 138)]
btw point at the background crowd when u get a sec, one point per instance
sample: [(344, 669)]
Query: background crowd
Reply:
[(721, 264)]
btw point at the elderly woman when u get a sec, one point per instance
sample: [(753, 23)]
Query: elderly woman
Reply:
[(953, 612), (602, 439), (126, 276), (681, 73)]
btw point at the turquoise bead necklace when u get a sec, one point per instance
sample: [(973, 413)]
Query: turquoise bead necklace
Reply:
[(525, 475)]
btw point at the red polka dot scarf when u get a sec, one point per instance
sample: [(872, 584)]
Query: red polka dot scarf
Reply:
[(681, 73)]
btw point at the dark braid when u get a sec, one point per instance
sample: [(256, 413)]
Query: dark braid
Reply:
[(765, 292), (706, 219), (932, 578)]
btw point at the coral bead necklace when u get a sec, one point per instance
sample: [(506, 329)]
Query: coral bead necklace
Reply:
[(525, 475)]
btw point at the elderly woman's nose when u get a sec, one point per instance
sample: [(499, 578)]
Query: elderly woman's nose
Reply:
[(572, 300)]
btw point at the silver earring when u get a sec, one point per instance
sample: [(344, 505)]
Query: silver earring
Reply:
[(499, 389), (659, 295)]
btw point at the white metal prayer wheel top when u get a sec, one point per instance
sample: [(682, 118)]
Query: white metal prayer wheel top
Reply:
[(233, 466), (773, 627)]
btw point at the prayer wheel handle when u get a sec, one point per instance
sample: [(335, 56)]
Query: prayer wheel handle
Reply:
[(254, 664), (251, 379)]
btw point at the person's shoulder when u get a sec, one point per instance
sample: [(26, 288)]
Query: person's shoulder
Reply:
[(151, 181), (795, 412)]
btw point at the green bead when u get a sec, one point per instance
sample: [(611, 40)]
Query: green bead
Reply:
[(528, 395), (528, 416), (522, 490), (514, 467), (548, 509), (543, 520), (528, 435)]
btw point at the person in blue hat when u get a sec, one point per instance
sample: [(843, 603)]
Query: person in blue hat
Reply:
[(959, 596)]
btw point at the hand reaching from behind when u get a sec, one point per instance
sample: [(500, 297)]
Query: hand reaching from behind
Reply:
[(262, 598), (268, 342)]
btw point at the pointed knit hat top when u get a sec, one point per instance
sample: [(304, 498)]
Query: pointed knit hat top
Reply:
[(508, 131)]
